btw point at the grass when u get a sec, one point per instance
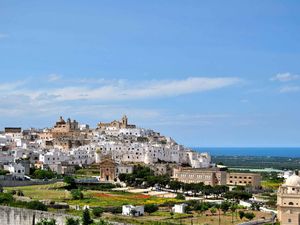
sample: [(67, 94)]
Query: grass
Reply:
[(55, 192), (43, 192), (164, 218), (269, 184)]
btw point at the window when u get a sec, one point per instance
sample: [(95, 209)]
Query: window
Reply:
[(289, 220), (291, 203)]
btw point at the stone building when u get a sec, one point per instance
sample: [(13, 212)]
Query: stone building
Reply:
[(107, 169), (288, 201), (211, 176), (116, 124), (244, 179)]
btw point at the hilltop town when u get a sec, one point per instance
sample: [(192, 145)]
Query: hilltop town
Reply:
[(73, 160)]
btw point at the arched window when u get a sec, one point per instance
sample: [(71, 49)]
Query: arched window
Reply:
[(291, 203)]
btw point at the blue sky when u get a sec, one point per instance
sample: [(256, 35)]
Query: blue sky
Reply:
[(208, 73)]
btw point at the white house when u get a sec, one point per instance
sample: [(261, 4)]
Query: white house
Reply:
[(16, 170), (128, 210), (179, 208)]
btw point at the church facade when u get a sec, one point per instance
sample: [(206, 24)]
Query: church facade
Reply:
[(288, 201)]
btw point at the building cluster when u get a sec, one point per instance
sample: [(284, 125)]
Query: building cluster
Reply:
[(112, 148)]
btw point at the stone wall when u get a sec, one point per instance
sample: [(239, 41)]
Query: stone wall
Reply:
[(20, 216)]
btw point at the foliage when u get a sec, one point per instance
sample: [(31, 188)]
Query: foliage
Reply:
[(72, 221), (43, 174), (225, 205), (46, 222), (101, 222), (249, 215), (86, 217), (255, 206), (20, 193), (6, 198), (238, 195), (97, 211), (76, 194), (150, 208), (3, 172), (213, 210), (37, 205), (241, 214), (180, 196)]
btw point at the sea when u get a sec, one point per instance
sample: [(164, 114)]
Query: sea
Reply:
[(253, 151)]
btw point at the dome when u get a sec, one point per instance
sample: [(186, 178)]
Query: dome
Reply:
[(293, 180)]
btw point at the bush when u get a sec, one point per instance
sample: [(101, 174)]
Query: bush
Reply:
[(76, 194), (36, 205), (98, 211), (43, 174), (249, 215), (72, 221), (6, 198), (180, 197), (150, 208), (46, 222)]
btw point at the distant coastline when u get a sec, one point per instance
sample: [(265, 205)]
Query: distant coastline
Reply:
[(251, 151)]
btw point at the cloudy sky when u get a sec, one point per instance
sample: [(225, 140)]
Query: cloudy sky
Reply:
[(207, 73)]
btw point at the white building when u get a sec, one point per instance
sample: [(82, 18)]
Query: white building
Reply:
[(179, 208), (16, 170), (128, 210)]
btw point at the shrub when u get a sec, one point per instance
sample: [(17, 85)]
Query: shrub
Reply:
[(98, 211), (72, 221), (180, 197), (150, 208), (6, 198), (36, 205), (76, 194), (46, 222)]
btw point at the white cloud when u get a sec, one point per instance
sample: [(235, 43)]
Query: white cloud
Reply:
[(150, 89), (54, 77), (289, 89), (285, 77)]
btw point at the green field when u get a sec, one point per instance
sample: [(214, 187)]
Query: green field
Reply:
[(55, 192)]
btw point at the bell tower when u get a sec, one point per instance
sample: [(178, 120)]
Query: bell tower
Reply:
[(124, 121)]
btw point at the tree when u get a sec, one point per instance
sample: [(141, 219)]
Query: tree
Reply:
[(241, 214), (47, 222), (180, 196), (43, 174), (225, 206), (150, 208), (249, 215), (70, 181), (76, 194), (213, 210), (86, 217), (202, 207), (255, 206), (233, 209), (72, 221), (98, 211), (219, 207)]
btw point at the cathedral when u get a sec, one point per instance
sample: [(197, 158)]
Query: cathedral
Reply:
[(288, 201)]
